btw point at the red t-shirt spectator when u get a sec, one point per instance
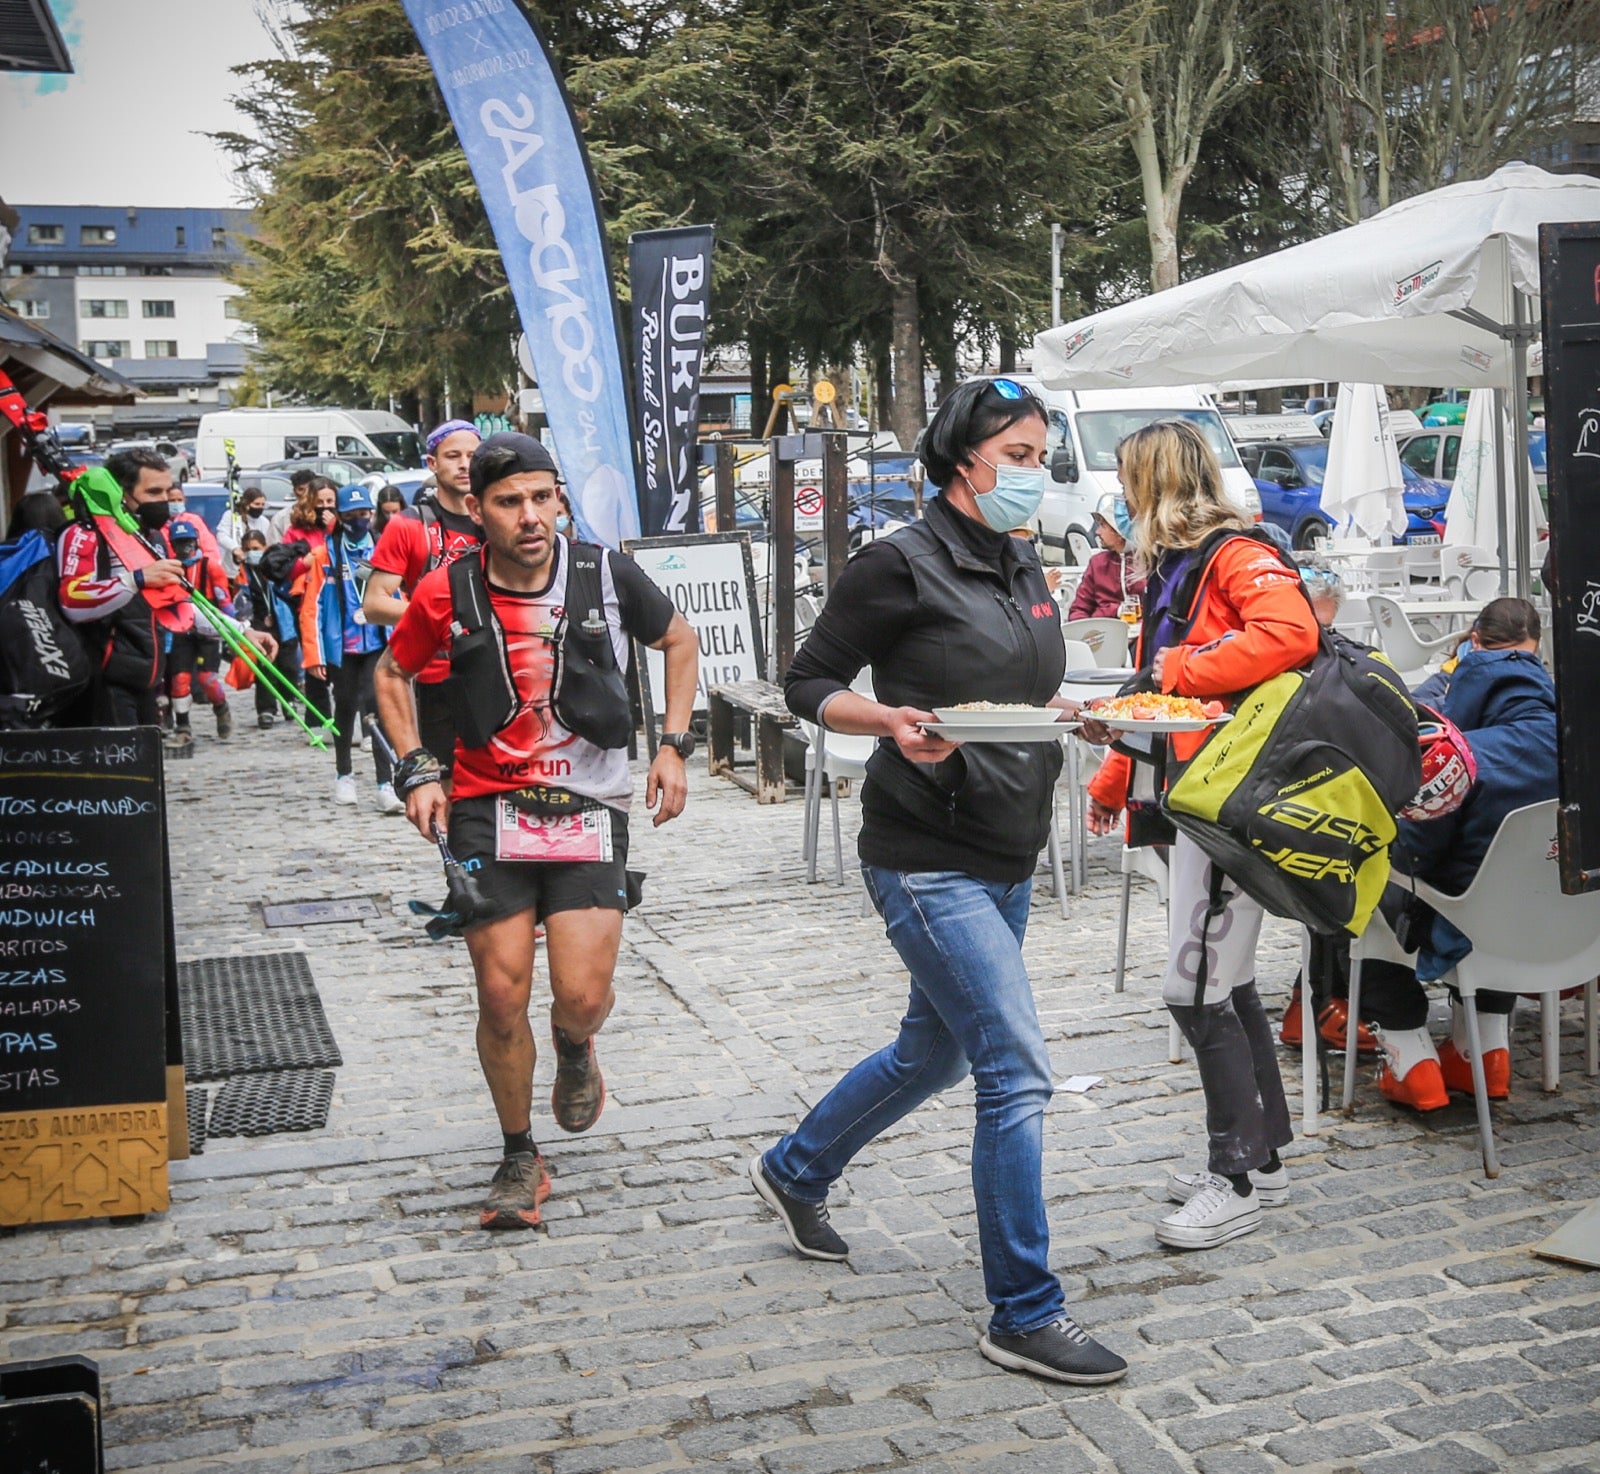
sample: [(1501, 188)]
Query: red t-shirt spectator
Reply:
[(409, 548), (1108, 579)]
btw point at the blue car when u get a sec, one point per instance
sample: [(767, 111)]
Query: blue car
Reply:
[(1288, 474)]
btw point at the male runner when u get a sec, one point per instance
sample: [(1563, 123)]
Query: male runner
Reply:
[(430, 534), (536, 786)]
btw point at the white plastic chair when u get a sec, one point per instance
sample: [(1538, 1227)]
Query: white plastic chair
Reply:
[(1408, 652), (1355, 618), (1386, 568), (1527, 937), (1149, 862), (1456, 563), (1107, 640), (831, 758)]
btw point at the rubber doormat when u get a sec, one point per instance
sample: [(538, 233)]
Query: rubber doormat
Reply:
[(262, 1105), (250, 1015), (195, 1102)]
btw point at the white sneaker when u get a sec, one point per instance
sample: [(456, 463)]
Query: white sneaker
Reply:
[(390, 802), (1272, 1188), (344, 790), (1215, 1214)]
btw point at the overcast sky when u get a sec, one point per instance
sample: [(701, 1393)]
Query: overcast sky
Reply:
[(128, 126)]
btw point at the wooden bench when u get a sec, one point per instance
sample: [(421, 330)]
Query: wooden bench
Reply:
[(763, 704)]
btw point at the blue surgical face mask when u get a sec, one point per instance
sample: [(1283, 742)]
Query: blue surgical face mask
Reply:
[(255, 555), (1122, 517), (175, 508), (563, 522), (1018, 490)]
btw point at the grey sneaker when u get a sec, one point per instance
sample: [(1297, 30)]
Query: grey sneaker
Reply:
[(1215, 1214), (1061, 1351), (806, 1223), (1272, 1188), (579, 1093), (520, 1184)]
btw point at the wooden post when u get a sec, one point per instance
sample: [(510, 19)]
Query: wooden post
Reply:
[(835, 505), (780, 536), (727, 515)]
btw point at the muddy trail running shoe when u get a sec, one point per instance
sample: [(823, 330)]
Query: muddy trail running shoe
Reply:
[(520, 1184), (579, 1094)]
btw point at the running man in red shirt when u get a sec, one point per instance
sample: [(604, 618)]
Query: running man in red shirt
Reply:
[(430, 534), (538, 813)]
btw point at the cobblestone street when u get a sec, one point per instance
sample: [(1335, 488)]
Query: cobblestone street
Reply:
[(325, 1302)]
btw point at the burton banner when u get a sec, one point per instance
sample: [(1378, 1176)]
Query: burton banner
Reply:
[(671, 275), (517, 128)]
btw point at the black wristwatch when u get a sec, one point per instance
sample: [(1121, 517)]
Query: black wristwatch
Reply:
[(681, 743)]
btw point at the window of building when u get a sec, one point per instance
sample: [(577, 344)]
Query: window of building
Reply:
[(160, 348), (103, 307), (182, 240), (160, 308), (232, 308), (33, 310), (47, 235), (51, 270), (106, 348), (102, 271), (97, 235), (219, 237)]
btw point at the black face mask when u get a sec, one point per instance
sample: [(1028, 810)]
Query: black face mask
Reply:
[(152, 515), (252, 512)]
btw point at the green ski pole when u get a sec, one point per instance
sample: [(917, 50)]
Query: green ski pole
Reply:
[(278, 683)]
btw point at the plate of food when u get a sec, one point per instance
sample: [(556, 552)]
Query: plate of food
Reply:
[(1051, 731), (1153, 712), (996, 714)]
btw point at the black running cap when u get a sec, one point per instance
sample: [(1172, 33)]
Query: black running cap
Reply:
[(507, 454)]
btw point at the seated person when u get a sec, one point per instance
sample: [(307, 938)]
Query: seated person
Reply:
[(1502, 700), (1111, 581)]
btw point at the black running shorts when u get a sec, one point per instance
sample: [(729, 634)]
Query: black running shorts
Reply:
[(510, 886), (435, 726)]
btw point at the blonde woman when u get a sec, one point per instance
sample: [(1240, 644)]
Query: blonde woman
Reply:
[(1222, 613)]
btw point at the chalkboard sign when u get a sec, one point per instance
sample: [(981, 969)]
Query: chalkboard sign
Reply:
[(85, 969), (711, 582), (1569, 265)]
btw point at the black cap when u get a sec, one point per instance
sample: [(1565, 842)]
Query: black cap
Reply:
[(507, 454)]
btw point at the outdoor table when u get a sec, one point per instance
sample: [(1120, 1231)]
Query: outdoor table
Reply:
[(763, 703)]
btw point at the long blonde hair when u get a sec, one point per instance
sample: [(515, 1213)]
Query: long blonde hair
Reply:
[(1173, 485)]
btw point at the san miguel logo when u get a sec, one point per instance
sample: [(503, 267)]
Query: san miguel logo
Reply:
[(1077, 342), (1409, 286)]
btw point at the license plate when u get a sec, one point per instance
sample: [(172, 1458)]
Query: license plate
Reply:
[(1417, 538)]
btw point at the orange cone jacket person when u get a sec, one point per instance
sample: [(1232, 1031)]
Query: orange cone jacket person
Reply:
[(1250, 622)]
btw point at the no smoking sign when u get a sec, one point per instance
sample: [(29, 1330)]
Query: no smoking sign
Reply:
[(808, 509)]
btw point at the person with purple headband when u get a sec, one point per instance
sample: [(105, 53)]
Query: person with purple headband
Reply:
[(432, 533)]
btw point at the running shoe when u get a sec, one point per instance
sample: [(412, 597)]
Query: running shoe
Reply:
[(520, 1184), (1061, 1351), (344, 790), (1215, 1214), (224, 722), (806, 1223), (579, 1094), (390, 802)]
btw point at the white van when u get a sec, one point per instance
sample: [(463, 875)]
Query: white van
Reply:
[(1085, 426), (264, 435)]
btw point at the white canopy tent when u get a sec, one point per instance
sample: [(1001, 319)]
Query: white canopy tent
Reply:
[(1362, 489), (1475, 518), (1436, 290)]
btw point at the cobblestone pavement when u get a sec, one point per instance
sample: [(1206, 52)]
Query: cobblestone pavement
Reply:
[(324, 1302)]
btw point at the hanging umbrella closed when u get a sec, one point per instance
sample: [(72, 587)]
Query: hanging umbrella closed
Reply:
[(1362, 490), (1472, 519)]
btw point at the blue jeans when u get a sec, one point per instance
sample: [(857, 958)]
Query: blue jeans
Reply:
[(961, 938)]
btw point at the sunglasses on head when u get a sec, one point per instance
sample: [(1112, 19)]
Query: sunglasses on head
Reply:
[(1008, 388)]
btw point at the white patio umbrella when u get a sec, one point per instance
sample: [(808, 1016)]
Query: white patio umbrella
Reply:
[(1474, 517), (1362, 489), (1434, 291)]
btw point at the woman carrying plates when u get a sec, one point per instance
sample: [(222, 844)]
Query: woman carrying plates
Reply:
[(1245, 622), (952, 610)]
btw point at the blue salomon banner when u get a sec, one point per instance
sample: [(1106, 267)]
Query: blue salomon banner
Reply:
[(516, 126)]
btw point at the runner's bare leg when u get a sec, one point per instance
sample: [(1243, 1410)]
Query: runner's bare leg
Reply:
[(502, 957), (581, 954)]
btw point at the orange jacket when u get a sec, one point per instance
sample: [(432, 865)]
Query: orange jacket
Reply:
[(1253, 623)]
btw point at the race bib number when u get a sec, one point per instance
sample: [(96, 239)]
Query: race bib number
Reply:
[(562, 839)]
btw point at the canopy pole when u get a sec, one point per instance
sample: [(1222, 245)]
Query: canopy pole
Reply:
[(1521, 332), (1501, 497)]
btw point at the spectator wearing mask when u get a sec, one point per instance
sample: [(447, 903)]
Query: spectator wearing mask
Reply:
[(1503, 703), (248, 514), (390, 502), (298, 482), (338, 642), (313, 517), (1112, 583)]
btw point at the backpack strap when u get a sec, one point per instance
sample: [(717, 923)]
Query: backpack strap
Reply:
[(470, 609), (585, 604)]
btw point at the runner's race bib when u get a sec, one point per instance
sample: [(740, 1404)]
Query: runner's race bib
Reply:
[(564, 839)]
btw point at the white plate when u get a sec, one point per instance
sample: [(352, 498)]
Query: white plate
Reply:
[(1168, 724), (1019, 716), (988, 732)]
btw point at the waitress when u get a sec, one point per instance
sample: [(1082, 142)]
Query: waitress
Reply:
[(951, 610)]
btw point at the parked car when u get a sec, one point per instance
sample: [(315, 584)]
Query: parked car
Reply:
[(177, 461), (1433, 452), (1288, 474), (338, 469), (261, 437)]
